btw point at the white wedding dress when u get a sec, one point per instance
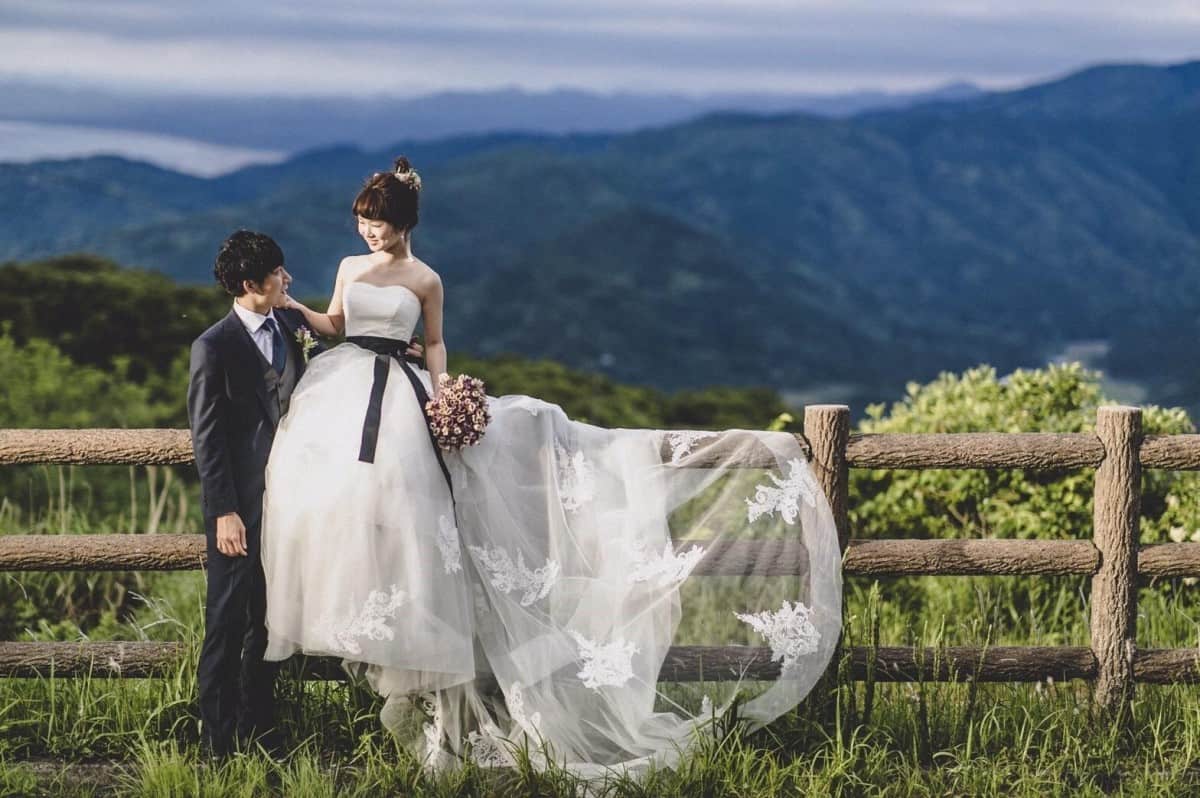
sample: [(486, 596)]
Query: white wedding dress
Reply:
[(536, 608)]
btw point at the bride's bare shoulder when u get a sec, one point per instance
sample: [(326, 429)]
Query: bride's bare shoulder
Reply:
[(427, 278), (352, 267)]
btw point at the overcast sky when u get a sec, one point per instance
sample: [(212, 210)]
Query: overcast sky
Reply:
[(303, 47)]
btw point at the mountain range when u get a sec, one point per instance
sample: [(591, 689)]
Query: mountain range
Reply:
[(290, 124), (832, 257)]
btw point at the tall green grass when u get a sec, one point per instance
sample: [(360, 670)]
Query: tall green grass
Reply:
[(925, 739), (889, 739)]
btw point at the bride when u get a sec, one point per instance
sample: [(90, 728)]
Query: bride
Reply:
[(527, 592)]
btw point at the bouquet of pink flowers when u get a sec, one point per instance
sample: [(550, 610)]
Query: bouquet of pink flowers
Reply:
[(458, 415)]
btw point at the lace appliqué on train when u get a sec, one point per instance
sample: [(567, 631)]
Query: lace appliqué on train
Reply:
[(576, 479), (665, 568), (370, 623), (515, 700), (604, 664), (508, 576), (436, 757), (789, 631), (785, 497), (682, 441), (488, 749), (447, 541)]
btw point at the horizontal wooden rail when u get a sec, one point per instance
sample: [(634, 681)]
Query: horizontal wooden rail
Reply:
[(1032, 450), (892, 664), (682, 664), (970, 557), (1170, 452), (128, 659), (137, 552), (721, 448), (95, 446), (129, 552), (1164, 560), (174, 447), (1167, 666)]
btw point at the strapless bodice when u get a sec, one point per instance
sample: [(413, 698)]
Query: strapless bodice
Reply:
[(382, 311)]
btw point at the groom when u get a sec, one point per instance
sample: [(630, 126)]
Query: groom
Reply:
[(243, 370)]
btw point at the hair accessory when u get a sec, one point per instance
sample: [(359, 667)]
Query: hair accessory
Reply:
[(409, 177)]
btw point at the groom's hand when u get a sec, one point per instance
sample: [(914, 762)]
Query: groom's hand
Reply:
[(231, 535), (415, 349)]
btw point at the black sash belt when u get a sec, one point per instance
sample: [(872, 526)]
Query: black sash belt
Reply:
[(387, 349)]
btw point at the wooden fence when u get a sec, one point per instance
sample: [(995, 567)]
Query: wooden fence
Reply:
[(1118, 451)]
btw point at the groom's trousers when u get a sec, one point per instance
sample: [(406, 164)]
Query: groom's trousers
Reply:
[(237, 688)]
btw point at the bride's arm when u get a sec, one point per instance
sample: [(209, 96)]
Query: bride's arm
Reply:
[(435, 347), (332, 321)]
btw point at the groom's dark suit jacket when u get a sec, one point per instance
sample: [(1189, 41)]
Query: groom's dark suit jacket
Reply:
[(234, 404), (235, 401)]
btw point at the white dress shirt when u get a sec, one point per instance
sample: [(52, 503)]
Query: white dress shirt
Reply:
[(259, 333)]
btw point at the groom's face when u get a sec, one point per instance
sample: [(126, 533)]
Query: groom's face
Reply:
[(273, 288)]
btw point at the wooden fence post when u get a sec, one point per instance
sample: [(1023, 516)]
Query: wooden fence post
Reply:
[(1115, 530), (827, 428)]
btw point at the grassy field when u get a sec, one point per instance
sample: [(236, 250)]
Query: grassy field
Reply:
[(138, 737), (921, 739)]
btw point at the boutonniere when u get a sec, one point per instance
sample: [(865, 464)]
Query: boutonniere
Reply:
[(307, 341)]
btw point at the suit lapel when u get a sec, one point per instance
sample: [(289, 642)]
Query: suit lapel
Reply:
[(250, 362)]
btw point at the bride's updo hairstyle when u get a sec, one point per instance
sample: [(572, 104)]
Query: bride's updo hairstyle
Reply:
[(392, 197)]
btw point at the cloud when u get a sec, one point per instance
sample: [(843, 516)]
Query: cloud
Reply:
[(695, 46), (23, 142)]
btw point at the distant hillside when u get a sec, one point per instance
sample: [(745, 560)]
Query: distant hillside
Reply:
[(789, 249), (296, 123), (137, 326), (1103, 92)]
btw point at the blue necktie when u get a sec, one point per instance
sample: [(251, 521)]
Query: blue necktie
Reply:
[(278, 346)]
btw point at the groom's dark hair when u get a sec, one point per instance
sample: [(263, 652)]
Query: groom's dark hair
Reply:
[(246, 255)]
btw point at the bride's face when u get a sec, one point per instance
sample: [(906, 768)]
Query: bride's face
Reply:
[(377, 233)]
